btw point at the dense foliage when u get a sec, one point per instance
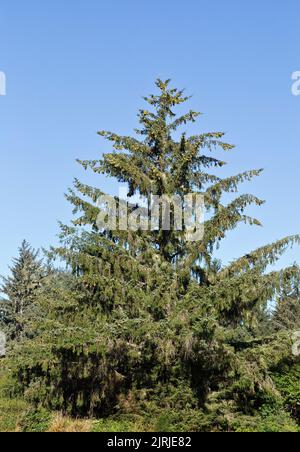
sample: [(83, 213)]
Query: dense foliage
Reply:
[(149, 324), (20, 290)]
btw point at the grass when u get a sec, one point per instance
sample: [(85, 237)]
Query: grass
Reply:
[(60, 423)]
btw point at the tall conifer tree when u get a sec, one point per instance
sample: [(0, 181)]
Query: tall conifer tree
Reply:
[(150, 320)]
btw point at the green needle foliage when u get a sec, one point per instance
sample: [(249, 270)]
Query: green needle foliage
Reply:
[(20, 289), (147, 322), (287, 312)]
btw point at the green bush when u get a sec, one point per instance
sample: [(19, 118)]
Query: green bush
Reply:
[(269, 420), (288, 383), (11, 406), (35, 421), (118, 425), (11, 411)]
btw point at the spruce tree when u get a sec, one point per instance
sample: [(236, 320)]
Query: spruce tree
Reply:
[(20, 288), (287, 311), (149, 321), (286, 318)]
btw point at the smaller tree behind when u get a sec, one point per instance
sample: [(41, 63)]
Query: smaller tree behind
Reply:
[(21, 288), (287, 312)]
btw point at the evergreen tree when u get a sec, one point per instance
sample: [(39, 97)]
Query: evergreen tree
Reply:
[(149, 321), (287, 313), (20, 288), (286, 318)]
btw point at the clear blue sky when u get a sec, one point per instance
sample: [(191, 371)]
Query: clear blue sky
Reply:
[(74, 67)]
